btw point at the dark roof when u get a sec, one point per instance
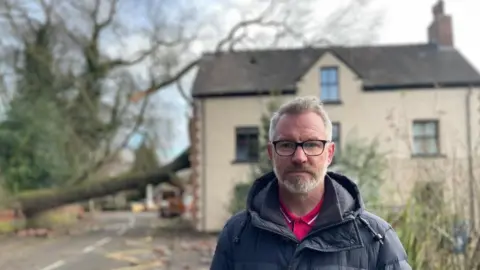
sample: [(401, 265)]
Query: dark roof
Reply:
[(379, 67)]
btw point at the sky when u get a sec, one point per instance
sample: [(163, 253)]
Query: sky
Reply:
[(406, 21)]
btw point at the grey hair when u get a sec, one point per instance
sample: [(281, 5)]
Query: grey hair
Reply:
[(301, 105)]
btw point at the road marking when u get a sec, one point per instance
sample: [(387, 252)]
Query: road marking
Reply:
[(131, 222), (55, 265), (88, 249), (131, 256), (99, 243), (104, 241), (123, 230)]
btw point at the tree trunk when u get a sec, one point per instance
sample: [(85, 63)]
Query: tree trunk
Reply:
[(37, 201)]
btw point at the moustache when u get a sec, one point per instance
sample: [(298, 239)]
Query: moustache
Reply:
[(303, 170)]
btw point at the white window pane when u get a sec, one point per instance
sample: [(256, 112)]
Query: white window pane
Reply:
[(334, 92), (328, 76), (425, 146), (329, 93), (324, 76), (418, 147), (325, 94), (430, 129), (431, 146), (418, 129), (333, 76)]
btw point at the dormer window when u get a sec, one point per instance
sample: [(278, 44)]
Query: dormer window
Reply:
[(329, 84)]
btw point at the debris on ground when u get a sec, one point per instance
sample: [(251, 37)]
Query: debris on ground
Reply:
[(166, 249)]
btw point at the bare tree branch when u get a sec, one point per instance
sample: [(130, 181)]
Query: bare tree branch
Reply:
[(156, 86), (82, 64), (238, 34), (183, 93)]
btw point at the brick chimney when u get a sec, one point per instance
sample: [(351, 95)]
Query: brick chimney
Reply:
[(440, 31)]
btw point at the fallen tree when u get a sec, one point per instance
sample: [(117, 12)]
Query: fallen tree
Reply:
[(33, 202)]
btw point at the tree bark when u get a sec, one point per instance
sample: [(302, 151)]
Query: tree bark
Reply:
[(33, 202)]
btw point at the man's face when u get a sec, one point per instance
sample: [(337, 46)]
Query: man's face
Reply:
[(299, 172)]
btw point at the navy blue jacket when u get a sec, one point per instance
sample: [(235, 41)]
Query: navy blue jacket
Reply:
[(345, 236)]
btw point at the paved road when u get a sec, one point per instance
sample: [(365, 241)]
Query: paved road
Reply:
[(113, 240)]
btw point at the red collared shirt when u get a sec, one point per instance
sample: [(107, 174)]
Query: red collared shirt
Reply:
[(300, 226)]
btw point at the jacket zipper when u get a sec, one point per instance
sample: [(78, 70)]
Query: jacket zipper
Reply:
[(297, 243)]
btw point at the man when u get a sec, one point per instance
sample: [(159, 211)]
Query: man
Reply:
[(300, 216)]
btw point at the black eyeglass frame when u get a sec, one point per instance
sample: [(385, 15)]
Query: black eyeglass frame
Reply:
[(297, 144)]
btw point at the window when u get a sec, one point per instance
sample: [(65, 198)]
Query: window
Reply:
[(425, 137), (247, 144), (329, 84), (336, 139)]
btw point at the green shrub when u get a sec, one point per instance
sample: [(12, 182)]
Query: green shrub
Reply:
[(240, 194), (424, 226)]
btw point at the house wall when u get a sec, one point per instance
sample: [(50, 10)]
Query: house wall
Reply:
[(386, 115), (389, 115), (220, 171)]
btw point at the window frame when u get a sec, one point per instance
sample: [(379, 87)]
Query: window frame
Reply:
[(247, 131), (325, 96), (425, 137), (338, 141)]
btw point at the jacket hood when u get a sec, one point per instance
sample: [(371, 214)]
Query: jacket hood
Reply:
[(342, 198)]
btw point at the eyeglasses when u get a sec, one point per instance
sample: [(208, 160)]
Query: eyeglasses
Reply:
[(310, 148)]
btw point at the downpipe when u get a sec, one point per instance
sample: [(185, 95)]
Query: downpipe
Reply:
[(471, 178)]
